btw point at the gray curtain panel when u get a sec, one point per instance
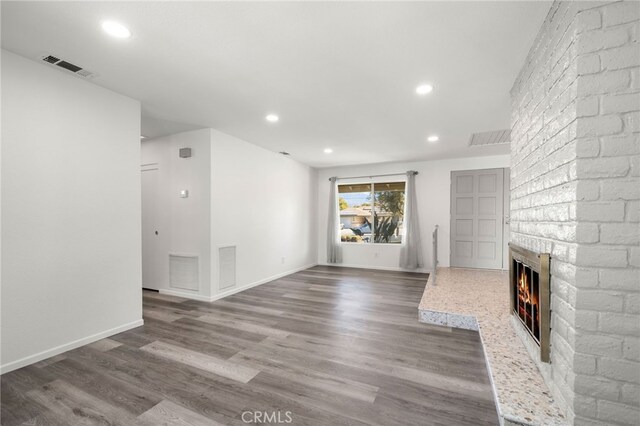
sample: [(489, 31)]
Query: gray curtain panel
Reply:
[(411, 250), (334, 251)]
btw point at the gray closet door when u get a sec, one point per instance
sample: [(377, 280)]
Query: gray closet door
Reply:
[(477, 218)]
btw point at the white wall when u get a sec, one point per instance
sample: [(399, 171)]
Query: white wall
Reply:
[(183, 222), (265, 204), (70, 212), (433, 193)]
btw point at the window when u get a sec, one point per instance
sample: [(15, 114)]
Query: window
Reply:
[(371, 212)]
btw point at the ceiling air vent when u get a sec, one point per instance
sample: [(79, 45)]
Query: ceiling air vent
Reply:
[(54, 60), (51, 59), (490, 138)]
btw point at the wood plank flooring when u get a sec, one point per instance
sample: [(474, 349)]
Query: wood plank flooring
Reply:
[(324, 346)]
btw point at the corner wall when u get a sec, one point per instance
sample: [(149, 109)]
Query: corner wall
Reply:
[(433, 186), (183, 223), (264, 204), (574, 193), (70, 212)]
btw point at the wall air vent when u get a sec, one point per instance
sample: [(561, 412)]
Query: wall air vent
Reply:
[(495, 137), (54, 60)]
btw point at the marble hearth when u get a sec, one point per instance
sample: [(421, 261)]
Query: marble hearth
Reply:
[(479, 300)]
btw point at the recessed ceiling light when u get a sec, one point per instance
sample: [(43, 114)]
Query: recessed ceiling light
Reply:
[(423, 89), (116, 29), (272, 118), (433, 138), (328, 150)]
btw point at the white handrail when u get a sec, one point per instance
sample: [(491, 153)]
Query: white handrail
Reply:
[(435, 253)]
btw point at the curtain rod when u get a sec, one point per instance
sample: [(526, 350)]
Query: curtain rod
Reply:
[(372, 176)]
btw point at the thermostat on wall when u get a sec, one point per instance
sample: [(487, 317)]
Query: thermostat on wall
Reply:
[(184, 193), (185, 152)]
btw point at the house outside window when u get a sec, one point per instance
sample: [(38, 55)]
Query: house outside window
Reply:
[(371, 212)]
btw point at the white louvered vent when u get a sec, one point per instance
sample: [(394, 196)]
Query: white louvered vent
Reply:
[(75, 69), (183, 272), (227, 266), (490, 138)]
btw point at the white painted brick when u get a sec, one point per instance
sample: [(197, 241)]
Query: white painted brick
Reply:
[(596, 387), (617, 369), (619, 279), (624, 324), (564, 251), (589, 168), (634, 257), (588, 64), (621, 13), (584, 364), (635, 79), (586, 320), (587, 147), (620, 190), (586, 277), (589, 20), (588, 107), (603, 83), (630, 393), (620, 145), (585, 405), (631, 348), (620, 233), (598, 211), (597, 300), (563, 309), (588, 190), (633, 211), (621, 57), (599, 126), (595, 256), (625, 102), (609, 411), (592, 41), (632, 303), (634, 163), (631, 122), (587, 232)]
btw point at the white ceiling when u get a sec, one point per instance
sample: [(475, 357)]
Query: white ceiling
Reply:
[(339, 75)]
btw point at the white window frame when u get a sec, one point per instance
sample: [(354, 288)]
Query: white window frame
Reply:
[(373, 207)]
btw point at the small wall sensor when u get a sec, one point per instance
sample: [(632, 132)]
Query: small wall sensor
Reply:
[(184, 193), (185, 152)]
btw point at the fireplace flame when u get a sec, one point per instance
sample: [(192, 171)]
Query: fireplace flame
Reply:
[(525, 293)]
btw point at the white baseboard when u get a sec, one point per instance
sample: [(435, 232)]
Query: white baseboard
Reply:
[(23, 362), (380, 268), (234, 290), (185, 294)]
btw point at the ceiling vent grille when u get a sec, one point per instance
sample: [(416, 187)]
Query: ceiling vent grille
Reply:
[(54, 60), (495, 137)]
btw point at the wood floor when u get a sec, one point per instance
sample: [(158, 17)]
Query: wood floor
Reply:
[(330, 346)]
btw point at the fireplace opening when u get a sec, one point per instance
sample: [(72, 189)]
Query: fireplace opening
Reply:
[(530, 295), (527, 298)]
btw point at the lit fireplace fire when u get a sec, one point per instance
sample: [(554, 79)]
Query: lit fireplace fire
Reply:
[(529, 291), (528, 295)]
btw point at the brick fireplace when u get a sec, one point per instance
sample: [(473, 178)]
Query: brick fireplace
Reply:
[(575, 194)]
